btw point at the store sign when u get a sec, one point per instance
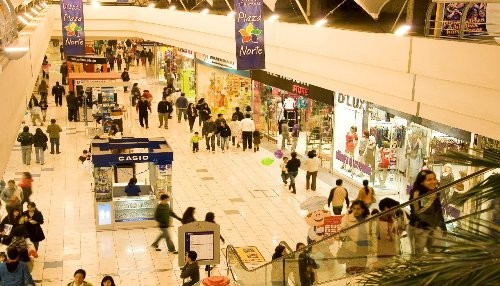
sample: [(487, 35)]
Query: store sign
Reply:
[(215, 61), (249, 31), (294, 86), (87, 59), (185, 53), (475, 21), (351, 101), (354, 163), (110, 159), (134, 158), (82, 81), (73, 27)]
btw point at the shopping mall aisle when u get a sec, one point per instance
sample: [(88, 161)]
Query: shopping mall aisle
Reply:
[(249, 201)]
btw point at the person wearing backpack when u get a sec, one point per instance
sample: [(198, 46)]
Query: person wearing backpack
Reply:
[(26, 140), (40, 143)]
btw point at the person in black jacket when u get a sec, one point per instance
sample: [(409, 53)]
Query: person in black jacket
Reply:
[(238, 114), (34, 219), (142, 107), (293, 166), (209, 129), (188, 216), (192, 113), (40, 140), (164, 109), (306, 266), (58, 91), (126, 78), (64, 72), (204, 112), (72, 103), (199, 107), (190, 272), (225, 133)]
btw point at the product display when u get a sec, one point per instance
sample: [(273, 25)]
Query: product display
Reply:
[(103, 184)]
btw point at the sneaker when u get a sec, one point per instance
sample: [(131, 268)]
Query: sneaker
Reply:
[(58, 152), (51, 152), (160, 126), (174, 252)]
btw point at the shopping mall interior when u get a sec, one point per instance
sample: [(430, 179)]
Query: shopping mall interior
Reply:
[(382, 92)]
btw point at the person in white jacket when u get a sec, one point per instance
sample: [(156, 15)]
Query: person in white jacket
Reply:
[(360, 242), (311, 166)]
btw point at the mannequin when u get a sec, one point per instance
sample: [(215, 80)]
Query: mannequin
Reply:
[(363, 144), (383, 165), (289, 103), (414, 153), (446, 178), (370, 156), (351, 141)]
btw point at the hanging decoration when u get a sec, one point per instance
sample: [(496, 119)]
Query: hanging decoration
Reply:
[(73, 27), (249, 35)]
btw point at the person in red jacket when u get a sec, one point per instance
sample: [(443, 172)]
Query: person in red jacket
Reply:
[(25, 184)]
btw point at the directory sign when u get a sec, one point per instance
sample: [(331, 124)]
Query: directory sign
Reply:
[(203, 238)]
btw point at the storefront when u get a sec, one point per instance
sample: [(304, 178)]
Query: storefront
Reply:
[(221, 85), (176, 67), (279, 100)]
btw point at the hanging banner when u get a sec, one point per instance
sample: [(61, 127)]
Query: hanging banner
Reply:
[(475, 21), (72, 27), (249, 27)]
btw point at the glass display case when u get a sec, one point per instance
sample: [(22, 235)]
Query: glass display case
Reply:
[(131, 209)]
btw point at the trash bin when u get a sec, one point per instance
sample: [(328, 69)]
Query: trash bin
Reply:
[(215, 281)]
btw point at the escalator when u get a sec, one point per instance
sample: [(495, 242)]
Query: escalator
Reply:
[(336, 269)]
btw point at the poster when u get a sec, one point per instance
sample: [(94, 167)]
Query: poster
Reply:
[(249, 254), (249, 31), (332, 224), (475, 22), (73, 27)]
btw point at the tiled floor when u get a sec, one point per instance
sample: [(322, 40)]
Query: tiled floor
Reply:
[(249, 200)]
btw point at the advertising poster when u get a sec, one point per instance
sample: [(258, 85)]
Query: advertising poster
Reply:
[(249, 30), (475, 23), (73, 27), (332, 224)]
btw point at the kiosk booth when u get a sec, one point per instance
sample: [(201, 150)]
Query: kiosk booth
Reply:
[(116, 161)]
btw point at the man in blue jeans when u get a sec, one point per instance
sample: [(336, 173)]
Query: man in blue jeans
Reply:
[(54, 131), (293, 166), (162, 216)]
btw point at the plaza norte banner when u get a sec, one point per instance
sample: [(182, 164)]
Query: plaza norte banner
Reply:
[(249, 25), (72, 27)]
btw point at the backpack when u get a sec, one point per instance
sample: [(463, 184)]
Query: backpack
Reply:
[(25, 138)]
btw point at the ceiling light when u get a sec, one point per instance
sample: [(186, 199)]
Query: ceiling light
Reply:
[(273, 18), (96, 4), (16, 50), (403, 30), (20, 18), (205, 11), (27, 15), (172, 8), (231, 14), (43, 4), (320, 23), (34, 11)]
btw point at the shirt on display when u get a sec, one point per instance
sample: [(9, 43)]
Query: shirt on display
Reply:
[(289, 103)]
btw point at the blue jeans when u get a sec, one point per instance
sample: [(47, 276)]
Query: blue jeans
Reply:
[(39, 154), (54, 141), (26, 154)]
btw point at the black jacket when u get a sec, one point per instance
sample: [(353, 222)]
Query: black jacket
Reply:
[(39, 140), (191, 271), (208, 127), (224, 131), (35, 232), (293, 165), (429, 218), (305, 262), (72, 101), (58, 90), (143, 106), (204, 113), (239, 115), (164, 107), (192, 112)]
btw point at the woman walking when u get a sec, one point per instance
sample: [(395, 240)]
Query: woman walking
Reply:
[(192, 113), (34, 219), (40, 143), (366, 194), (188, 216), (311, 165)]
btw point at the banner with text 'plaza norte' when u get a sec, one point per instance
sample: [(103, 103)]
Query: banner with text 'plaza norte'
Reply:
[(249, 26), (73, 27)]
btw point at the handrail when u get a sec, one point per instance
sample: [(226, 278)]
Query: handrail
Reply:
[(369, 219)]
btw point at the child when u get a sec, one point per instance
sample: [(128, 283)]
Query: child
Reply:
[(195, 140), (284, 171), (256, 140), (84, 157), (235, 127), (225, 133)]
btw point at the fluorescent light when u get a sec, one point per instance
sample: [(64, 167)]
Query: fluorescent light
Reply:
[(96, 4), (27, 15), (403, 30), (172, 8), (231, 14), (205, 11), (20, 18), (320, 23), (16, 49), (273, 18), (152, 5), (34, 11)]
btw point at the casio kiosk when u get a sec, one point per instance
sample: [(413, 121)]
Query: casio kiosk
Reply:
[(116, 161)]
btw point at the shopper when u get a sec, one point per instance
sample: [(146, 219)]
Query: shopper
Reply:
[(58, 91), (285, 134), (190, 272), (235, 127), (40, 143), (43, 89), (72, 103), (135, 93), (292, 167), (79, 279), (295, 136), (43, 107), (311, 166), (26, 185), (307, 266), (35, 110), (142, 108), (188, 216), (164, 109), (337, 197), (181, 104), (119, 62), (225, 133), (192, 113), (205, 113), (12, 196), (358, 242), (199, 106), (218, 121), (366, 194), (132, 189), (256, 140), (210, 217), (391, 226), (195, 141), (64, 73), (61, 51), (20, 242), (162, 216), (54, 131), (26, 140), (125, 78), (149, 55), (10, 221), (247, 128), (33, 220), (277, 266), (426, 217), (111, 62), (143, 55), (208, 131), (238, 114), (284, 170), (14, 272), (108, 281)]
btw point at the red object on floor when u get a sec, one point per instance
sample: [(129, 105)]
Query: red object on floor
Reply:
[(215, 281)]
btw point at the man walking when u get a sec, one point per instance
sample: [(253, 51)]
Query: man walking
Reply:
[(162, 216), (182, 104), (142, 107), (26, 140), (164, 109), (72, 103), (64, 73), (12, 196), (247, 128), (208, 131), (54, 131), (337, 197), (126, 78), (58, 92)]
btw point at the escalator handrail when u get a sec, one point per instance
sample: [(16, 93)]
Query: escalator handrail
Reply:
[(369, 219)]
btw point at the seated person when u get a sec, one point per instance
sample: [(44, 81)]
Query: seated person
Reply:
[(84, 157), (132, 189)]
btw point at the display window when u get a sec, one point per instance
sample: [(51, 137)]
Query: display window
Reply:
[(223, 89), (176, 68)]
